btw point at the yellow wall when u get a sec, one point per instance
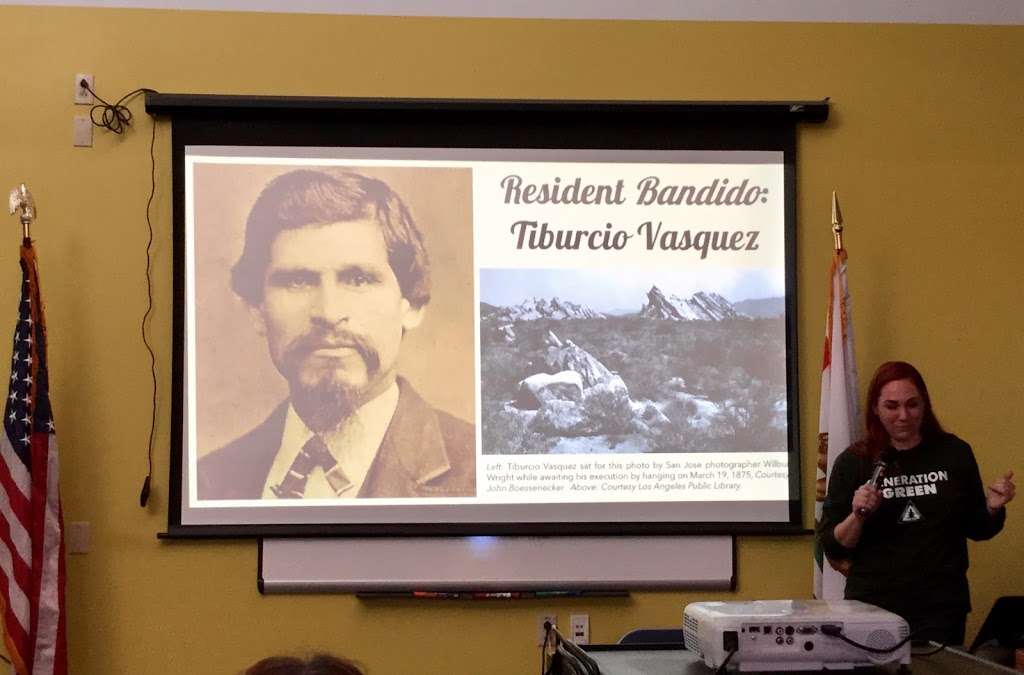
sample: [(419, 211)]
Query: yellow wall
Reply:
[(924, 145)]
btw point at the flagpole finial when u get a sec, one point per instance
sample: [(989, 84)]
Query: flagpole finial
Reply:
[(837, 222), (21, 198)]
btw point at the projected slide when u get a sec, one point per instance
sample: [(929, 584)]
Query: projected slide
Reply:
[(420, 336)]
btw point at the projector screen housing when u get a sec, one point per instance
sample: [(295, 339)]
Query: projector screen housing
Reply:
[(611, 329)]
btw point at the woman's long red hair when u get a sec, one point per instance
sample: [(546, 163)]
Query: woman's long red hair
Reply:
[(877, 438)]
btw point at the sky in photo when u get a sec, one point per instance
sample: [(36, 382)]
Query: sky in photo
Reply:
[(626, 290)]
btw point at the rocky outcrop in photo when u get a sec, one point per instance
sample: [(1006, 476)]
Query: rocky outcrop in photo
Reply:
[(580, 396), (682, 374), (700, 306), (540, 308), (567, 356), (536, 390)]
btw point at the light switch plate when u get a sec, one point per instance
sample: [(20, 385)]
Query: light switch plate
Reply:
[(81, 136)]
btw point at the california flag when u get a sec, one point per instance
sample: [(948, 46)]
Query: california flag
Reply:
[(838, 424)]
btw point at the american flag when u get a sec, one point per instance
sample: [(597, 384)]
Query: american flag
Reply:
[(31, 520)]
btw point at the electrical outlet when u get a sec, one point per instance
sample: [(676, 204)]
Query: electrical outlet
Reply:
[(579, 625), (82, 94), (541, 632)]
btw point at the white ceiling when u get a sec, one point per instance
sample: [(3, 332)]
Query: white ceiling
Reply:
[(850, 11)]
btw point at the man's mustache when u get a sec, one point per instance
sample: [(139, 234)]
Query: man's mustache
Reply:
[(309, 342)]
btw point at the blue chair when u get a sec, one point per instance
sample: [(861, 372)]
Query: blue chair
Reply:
[(1004, 623), (651, 636)]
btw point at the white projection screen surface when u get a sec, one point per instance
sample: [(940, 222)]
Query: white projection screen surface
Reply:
[(483, 322)]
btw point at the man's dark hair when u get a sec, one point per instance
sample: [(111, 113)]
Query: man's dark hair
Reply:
[(318, 664), (322, 196)]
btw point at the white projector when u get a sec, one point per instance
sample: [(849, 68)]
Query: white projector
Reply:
[(795, 634)]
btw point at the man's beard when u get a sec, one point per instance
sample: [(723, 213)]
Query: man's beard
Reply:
[(327, 402)]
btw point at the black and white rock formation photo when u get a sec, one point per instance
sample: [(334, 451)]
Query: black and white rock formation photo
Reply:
[(582, 372)]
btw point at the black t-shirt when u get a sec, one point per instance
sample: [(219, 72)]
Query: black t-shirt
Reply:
[(912, 554)]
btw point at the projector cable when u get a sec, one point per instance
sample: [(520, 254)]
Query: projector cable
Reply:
[(571, 649), (556, 651), (721, 668), (932, 652), (544, 667), (117, 117), (837, 631)]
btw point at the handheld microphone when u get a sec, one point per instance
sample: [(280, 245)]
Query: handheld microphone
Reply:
[(881, 466)]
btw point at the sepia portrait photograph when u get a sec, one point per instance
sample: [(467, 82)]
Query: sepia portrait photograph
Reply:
[(330, 331)]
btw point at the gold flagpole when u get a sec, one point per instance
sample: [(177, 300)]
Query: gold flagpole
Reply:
[(837, 223)]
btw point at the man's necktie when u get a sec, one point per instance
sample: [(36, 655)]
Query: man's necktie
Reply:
[(313, 454)]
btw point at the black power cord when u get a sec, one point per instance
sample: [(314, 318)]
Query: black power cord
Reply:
[(544, 648), (565, 655), (114, 117), (117, 117), (932, 652), (721, 668), (837, 631)]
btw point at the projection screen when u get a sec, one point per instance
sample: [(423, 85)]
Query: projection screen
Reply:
[(401, 329)]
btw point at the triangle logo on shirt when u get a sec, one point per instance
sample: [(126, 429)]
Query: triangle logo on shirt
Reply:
[(910, 514)]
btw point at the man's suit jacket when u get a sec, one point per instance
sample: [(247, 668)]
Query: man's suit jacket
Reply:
[(425, 453)]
